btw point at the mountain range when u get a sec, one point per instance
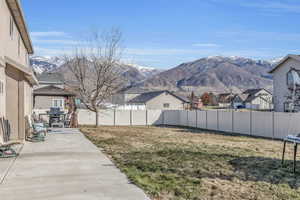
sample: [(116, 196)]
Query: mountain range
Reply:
[(215, 73), (131, 73)]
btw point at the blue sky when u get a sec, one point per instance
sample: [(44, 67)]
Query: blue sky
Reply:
[(165, 33)]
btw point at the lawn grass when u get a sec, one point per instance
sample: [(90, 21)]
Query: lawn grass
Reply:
[(178, 163)]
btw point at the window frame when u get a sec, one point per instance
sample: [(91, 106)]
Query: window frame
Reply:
[(287, 76), (11, 28), (164, 105), (61, 104), (19, 46)]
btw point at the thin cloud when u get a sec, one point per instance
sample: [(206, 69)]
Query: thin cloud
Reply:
[(205, 45), (52, 41), (52, 51), (48, 34), (277, 6)]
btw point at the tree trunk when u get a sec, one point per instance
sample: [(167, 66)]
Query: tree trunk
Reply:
[(97, 117)]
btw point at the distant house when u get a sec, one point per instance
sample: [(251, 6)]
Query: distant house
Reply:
[(283, 82), (51, 93), (230, 100), (225, 100), (159, 100), (125, 95), (209, 99), (258, 99), (195, 102)]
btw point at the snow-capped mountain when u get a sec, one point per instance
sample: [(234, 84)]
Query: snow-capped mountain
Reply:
[(131, 73), (146, 71), (42, 64), (214, 73)]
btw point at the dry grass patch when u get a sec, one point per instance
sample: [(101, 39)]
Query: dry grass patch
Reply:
[(178, 163)]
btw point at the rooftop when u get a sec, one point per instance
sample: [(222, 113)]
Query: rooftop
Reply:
[(145, 97), (52, 91), (46, 77)]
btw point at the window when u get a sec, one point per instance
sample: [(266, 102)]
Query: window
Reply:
[(27, 58), (58, 103), (1, 87), (19, 46), (293, 78), (11, 27), (166, 105)]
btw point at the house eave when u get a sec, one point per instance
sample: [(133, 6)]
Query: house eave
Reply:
[(26, 70), (296, 57), (17, 13)]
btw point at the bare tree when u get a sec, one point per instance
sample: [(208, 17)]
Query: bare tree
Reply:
[(94, 68)]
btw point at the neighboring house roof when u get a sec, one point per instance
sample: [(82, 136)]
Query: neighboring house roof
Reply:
[(133, 90), (51, 78), (225, 97), (145, 97), (255, 91), (52, 91), (17, 13), (250, 94), (241, 97), (293, 56), (251, 98)]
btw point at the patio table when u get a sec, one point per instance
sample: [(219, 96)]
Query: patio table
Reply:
[(295, 140)]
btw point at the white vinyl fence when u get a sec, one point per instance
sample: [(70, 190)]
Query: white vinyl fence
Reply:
[(122, 117), (265, 124)]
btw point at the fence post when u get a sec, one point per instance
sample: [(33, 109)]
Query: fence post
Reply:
[(196, 118), (206, 126), (114, 117), (146, 117), (130, 117), (251, 122), (232, 121), (163, 117), (273, 124), (187, 118), (218, 120)]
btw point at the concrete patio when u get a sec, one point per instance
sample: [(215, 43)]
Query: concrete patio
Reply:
[(66, 166)]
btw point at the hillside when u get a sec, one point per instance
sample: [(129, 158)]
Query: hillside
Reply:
[(216, 73), (131, 73)]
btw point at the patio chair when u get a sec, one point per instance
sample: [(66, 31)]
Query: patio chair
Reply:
[(6, 150), (37, 131)]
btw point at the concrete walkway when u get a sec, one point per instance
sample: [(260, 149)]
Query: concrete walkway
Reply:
[(65, 167)]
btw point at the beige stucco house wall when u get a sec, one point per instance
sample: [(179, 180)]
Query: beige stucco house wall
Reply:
[(45, 102), (280, 86), (16, 76)]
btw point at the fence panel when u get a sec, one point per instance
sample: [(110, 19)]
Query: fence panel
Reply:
[(225, 121), (106, 117), (286, 124), (262, 124), (154, 117), (139, 117), (123, 117), (86, 117), (241, 122), (171, 117), (201, 119), (192, 119), (212, 120), (183, 117)]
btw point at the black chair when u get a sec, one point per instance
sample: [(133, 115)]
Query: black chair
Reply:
[(6, 150)]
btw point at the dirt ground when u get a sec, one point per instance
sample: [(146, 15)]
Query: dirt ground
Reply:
[(178, 163)]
